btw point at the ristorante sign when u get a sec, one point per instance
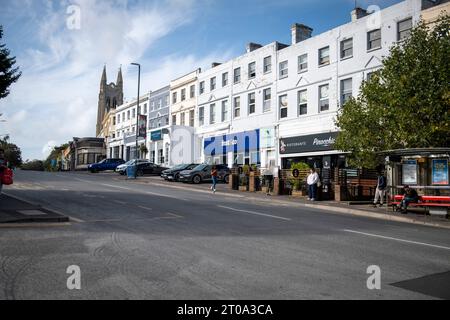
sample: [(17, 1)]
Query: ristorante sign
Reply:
[(310, 143)]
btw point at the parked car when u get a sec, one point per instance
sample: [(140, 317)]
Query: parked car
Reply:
[(122, 169), (202, 173), (173, 174), (149, 168), (104, 165)]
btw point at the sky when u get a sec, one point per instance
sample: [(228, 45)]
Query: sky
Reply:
[(61, 47)]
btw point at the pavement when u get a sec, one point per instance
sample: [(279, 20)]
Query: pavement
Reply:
[(15, 210), (415, 215), (146, 240)]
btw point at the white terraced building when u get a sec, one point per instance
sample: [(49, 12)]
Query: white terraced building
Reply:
[(287, 96), (122, 143)]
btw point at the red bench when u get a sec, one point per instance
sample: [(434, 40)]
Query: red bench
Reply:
[(436, 205)]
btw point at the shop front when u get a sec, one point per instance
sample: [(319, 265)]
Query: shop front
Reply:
[(316, 150), (159, 146), (234, 149)]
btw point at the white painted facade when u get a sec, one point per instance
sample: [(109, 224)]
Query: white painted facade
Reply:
[(286, 85), (253, 81), (123, 141), (355, 67), (183, 99)]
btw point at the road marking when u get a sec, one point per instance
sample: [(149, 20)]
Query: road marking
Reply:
[(174, 215), (396, 239), (255, 213), (120, 202), (75, 219), (34, 225), (145, 208), (146, 192)]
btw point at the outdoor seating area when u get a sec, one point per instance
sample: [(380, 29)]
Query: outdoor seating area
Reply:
[(435, 205)]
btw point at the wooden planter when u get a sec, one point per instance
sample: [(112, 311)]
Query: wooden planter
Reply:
[(298, 193), (242, 188)]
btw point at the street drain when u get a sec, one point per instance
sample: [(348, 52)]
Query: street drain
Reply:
[(435, 285), (32, 212)]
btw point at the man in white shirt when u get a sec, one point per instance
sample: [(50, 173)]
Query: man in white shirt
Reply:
[(313, 180)]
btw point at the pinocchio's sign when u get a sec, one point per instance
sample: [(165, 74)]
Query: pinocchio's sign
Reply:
[(309, 143)]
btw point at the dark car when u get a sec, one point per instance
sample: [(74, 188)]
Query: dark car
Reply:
[(106, 164), (202, 173), (173, 174), (149, 168), (122, 169)]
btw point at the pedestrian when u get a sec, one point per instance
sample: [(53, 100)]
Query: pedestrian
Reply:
[(2, 168), (410, 196), (214, 178), (312, 180), (380, 190)]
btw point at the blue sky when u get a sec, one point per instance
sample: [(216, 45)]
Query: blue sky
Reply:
[(56, 98)]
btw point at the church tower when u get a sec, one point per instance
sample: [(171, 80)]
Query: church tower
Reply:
[(110, 96)]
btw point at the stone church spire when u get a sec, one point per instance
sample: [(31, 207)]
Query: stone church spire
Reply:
[(110, 96), (119, 81), (103, 81)]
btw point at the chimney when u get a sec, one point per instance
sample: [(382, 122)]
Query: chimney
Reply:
[(300, 32), (215, 64), (358, 13), (253, 46)]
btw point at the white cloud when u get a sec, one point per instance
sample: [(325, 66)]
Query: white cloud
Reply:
[(48, 147), (56, 97)]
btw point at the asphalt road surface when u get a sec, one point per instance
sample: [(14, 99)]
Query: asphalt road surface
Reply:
[(142, 241)]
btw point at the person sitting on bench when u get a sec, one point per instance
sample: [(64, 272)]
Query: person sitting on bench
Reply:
[(410, 196)]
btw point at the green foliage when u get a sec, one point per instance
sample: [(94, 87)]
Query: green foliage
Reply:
[(246, 169), (143, 149), (300, 166), (12, 153), (34, 165), (55, 154), (297, 183), (243, 180), (8, 73), (406, 103)]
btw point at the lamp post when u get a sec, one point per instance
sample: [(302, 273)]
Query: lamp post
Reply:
[(137, 107)]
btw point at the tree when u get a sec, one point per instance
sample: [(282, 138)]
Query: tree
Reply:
[(34, 165), (13, 154), (406, 103), (54, 158), (143, 149), (8, 73)]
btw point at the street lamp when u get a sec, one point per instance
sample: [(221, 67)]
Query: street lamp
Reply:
[(137, 107)]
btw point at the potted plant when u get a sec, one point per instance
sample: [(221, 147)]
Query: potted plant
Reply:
[(243, 183), (298, 182), (297, 188), (143, 149)]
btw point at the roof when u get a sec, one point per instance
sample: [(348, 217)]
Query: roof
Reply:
[(417, 152)]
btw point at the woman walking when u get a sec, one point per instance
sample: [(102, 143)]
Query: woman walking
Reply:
[(214, 178), (2, 167)]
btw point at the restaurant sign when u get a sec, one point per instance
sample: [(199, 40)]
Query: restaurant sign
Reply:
[(309, 143)]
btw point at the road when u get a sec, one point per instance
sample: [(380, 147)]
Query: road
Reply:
[(146, 241)]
